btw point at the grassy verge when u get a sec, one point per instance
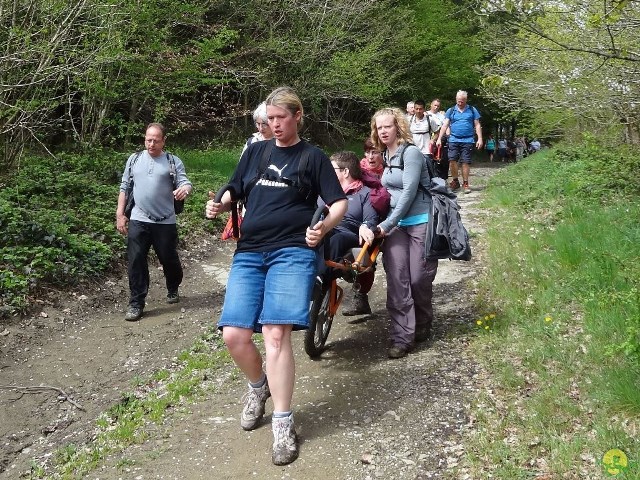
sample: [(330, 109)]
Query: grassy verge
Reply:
[(563, 352), (139, 413)]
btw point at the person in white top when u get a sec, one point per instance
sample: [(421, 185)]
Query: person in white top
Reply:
[(436, 113), (262, 126), (422, 127)]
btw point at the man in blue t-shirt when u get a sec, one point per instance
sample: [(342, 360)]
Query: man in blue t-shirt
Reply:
[(463, 121)]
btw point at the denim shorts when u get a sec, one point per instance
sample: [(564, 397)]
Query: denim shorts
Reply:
[(270, 288), (460, 152)]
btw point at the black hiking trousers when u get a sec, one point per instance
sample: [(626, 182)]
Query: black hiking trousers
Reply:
[(164, 240)]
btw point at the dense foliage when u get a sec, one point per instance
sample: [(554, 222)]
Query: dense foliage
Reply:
[(563, 68), (93, 73)]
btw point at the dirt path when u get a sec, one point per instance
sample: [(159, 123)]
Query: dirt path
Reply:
[(360, 415)]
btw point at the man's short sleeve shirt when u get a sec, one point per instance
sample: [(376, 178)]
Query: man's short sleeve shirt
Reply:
[(462, 124)]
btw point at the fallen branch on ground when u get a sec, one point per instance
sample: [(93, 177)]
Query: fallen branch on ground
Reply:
[(42, 388)]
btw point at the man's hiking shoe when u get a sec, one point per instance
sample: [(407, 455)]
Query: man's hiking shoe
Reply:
[(173, 297), (398, 351), (466, 188), (359, 305), (254, 402), (133, 314), (454, 184), (285, 441)]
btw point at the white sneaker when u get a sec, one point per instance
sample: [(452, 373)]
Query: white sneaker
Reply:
[(254, 402), (285, 441)]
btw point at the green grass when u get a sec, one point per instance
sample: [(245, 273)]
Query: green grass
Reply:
[(563, 352)]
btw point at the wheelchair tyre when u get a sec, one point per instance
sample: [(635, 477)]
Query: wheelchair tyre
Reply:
[(320, 321)]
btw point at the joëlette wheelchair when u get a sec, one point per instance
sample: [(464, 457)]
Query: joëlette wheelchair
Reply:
[(327, 294)]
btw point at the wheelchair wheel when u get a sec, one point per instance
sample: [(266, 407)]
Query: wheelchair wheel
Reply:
[(320, 320)]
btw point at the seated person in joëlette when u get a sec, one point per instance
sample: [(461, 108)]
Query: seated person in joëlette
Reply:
[(349, 233)]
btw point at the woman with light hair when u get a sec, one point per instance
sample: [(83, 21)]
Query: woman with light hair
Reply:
[(409, 276), (274, 267), (262, 124)]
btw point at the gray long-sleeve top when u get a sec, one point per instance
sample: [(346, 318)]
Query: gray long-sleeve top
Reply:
[(152, 187), (407, 201)]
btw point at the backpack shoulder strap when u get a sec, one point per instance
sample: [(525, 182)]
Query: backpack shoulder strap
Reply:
[(305, 187), (172, 170), (133, 162), (304, 161), (266, 156)]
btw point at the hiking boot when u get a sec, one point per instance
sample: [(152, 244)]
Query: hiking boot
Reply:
[(466, 188), (398, 351), (133, 314), (358, 306), (173, 297), (454, 184), (254, 402), (285, 441)]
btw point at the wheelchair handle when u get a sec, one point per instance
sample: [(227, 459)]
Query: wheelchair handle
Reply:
[(234, 206), (323, 209), (222, 190)]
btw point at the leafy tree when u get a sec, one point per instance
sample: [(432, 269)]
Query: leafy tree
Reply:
[(574, 66), (45, 44), (445, 51)]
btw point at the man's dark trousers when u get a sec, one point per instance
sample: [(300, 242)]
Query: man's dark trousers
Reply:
[(164, 239)]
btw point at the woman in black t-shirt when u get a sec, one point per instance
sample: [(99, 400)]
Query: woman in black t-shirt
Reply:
[(274, 267)]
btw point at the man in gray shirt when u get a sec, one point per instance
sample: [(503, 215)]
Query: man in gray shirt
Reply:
[(159, 179)]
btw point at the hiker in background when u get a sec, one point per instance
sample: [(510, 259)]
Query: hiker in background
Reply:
[(440, 155), (260, 120), (274, 267), (521, 146), (463, 121), (409, 276), (502, 149), (410, 110), (490, 147), (534, 146), (421, 127), (159, 179), (437, 115)]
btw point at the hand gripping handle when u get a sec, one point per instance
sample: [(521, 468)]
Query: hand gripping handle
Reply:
[(234, 206)]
